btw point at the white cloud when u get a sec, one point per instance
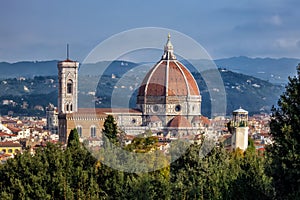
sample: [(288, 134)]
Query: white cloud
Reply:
[(274, 20), (286, 43)]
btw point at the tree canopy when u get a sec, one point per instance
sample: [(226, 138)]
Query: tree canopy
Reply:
[(284, 153), (110, 131)]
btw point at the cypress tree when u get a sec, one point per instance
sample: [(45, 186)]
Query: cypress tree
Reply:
[(73, 139), (110, 130)]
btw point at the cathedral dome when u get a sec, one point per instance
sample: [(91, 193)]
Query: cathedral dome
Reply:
[(168, 77)]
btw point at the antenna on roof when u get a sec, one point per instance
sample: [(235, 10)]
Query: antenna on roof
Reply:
[(67, 51)]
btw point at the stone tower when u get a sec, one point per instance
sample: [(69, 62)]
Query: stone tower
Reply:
[(67, 86), (67, 93), (52, 118), (239, 129)]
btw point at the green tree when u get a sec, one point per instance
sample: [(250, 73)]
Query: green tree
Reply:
[(250, 176), (110, 131), (51, 173), (284, 153), (194, 177), (73, 139)]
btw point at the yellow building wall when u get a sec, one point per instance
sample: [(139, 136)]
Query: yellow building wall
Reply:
[(10, 150)]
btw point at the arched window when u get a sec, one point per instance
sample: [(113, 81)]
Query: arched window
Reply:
[(79, 130), (67, 107), (93, 131), (71, 107), (69, 86)]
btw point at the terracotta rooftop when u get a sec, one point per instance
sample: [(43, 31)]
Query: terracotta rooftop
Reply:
[(169, 77), (10, 144), (201, 119), (14, 129), (179, 121), (6, 134), (154, 118), (105, 111)]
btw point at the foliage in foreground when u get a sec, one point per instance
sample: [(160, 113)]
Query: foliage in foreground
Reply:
[(54, 173), (284, 154)]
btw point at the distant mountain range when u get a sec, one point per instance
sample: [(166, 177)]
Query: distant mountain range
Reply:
[(26, 96), (269, 69), (253, 83)]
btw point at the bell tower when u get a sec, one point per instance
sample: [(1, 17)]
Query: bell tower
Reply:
[(239, 129), (67, 85), (67, 93)]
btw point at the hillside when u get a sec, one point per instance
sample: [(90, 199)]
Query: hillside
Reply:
[(253, 94), (31, 95), (270, 69), (28, 69)]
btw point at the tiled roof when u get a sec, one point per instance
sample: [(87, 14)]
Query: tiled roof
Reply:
[(240, 110), (10, 144), (205, 120), (200, 119), (14, 129), (179, 121), (154, 118), (169, 78), (105, 111), (6, 134)]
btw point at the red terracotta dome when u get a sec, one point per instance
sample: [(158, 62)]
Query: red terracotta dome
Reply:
[(179, 121), (169, 77)]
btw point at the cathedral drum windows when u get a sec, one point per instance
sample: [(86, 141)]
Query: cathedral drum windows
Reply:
[(155, 108), (177, 108)]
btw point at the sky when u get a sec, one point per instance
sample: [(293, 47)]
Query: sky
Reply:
[(40, 29)]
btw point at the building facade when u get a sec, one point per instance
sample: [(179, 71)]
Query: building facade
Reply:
[(52, 118), (168, 102)]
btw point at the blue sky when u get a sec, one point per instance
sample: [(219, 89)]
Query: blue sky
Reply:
[(40, 29)]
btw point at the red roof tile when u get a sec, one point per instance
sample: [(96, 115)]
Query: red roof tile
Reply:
[(10, 144), (179, 121), (14, 129), (180, 81), (6, 134), (154, 118)]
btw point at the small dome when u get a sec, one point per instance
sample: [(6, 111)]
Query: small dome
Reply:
[(240, 110), (179, 121), (154, 118), (201, 119)]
